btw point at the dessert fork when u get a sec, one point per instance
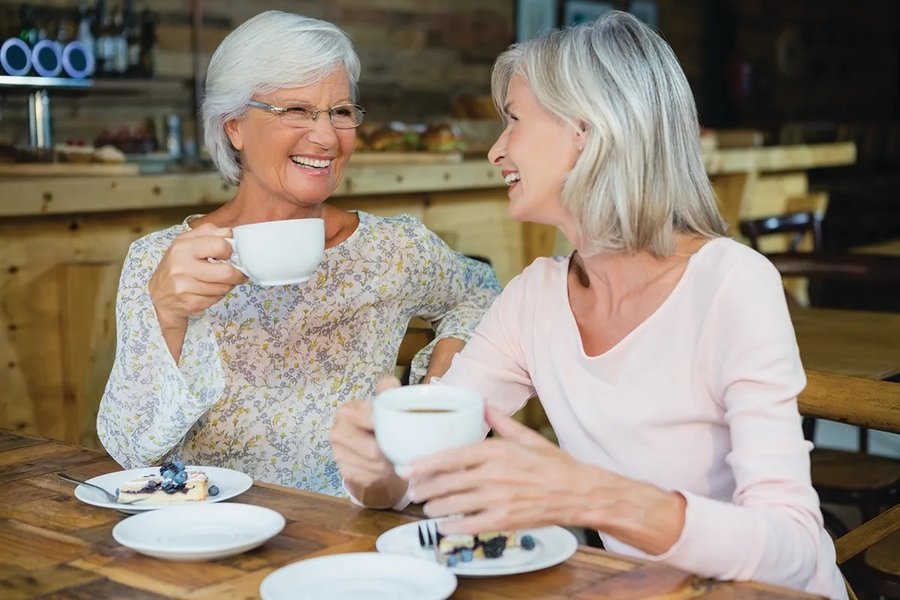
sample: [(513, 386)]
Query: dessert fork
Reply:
[(426, 539), (112, 497)]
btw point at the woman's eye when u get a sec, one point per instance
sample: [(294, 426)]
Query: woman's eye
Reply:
[(299, 112)]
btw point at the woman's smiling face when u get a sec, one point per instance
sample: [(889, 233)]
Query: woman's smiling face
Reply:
[(536, 152), (302, 165)]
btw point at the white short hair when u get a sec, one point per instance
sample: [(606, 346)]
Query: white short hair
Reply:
[(640, 178), (273, 50)]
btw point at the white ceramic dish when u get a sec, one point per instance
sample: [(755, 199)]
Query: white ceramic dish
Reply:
[(230, 484), (198, 532), (359, 576), (553, 545)]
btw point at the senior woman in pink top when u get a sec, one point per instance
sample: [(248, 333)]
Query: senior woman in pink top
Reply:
[(662, 351)]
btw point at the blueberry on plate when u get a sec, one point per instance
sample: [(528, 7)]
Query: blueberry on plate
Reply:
[(527, 542), (465, 555), (180, 477), (452, 560), (213, 490)]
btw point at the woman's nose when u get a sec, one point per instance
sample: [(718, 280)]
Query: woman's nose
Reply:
[(498, 150), (322, 131)]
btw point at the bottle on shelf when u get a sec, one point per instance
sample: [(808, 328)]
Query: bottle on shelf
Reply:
[(29, 32), (119, 44), (132, 40), (148, 41), (104, 54)]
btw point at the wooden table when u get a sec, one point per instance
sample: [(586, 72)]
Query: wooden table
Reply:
[(50, 543), (889, 248), (848, 342)]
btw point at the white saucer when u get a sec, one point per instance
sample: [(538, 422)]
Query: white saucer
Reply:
[(198, 532), (230, 484), (359, 576), (553, 545)]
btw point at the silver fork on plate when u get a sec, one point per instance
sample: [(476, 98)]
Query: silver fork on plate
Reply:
[(427, 539), (112, 497)]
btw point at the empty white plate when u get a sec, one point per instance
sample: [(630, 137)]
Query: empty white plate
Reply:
[(197, 532), (359, 576), (230, 484)]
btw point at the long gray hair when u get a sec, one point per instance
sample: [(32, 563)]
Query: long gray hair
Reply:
[(640, 178)]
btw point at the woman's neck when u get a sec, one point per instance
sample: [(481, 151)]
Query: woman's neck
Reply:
[(623, 275)]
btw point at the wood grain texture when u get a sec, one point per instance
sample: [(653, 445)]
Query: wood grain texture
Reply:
[(52, 544), (848, 342)]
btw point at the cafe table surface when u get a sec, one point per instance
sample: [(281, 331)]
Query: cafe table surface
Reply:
[(53, 545), (889, 247), (848, 342)]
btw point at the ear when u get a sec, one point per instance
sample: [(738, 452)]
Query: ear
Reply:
[(581, 133), (233, 131)]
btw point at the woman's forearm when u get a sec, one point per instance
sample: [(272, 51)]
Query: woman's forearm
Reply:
[(636, 513), (441, 357), (173, 332)]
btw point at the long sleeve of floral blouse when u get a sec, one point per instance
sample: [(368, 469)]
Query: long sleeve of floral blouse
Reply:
[(150, 402), (458, 292)]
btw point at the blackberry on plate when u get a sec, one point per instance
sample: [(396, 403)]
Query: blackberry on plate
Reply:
[(494, 547)]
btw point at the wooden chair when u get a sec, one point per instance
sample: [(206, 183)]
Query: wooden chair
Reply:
[(799, 224), (848, 478), (870, 554)]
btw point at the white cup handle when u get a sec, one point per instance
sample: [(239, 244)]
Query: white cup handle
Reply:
[(234, 260)]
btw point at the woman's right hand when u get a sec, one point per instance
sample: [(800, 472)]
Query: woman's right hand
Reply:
[(185, 282), (367, 473)]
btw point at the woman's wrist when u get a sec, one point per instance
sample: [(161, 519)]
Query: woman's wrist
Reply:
[(442, 356), (383, 494), (637, 513)]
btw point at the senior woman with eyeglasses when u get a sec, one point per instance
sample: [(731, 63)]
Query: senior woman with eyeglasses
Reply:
[(661, 351), (219, 371)]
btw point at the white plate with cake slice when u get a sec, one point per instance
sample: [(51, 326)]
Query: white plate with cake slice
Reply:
[(549, 546), (228, 483), (194, 532)]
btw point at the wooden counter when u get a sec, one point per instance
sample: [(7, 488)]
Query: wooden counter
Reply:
[(63, 239)]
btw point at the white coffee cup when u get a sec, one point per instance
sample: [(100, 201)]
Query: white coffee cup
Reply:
[(278, 252), (419, 420)]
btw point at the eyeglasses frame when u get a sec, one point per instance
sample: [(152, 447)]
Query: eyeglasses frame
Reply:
[(280, 110)]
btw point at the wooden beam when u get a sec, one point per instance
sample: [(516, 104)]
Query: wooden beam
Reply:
[(852, 400), (868, 534)]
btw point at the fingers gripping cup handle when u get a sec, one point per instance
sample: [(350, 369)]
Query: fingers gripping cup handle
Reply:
[(234, 259)]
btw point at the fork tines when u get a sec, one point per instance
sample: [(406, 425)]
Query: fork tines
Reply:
[(426, 540)]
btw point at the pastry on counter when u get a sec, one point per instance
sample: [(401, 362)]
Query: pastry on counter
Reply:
[(442, 137), (108, 154)]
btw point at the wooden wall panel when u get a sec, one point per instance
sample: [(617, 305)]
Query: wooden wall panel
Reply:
[(416, 56)]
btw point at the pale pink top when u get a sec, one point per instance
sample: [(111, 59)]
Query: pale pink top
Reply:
[(699, 398)]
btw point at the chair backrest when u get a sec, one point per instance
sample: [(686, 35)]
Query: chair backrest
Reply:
[(865, 403), (798, 223), (854, 281), (873, 268)]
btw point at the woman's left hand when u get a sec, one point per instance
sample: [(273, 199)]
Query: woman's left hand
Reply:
[(519, 481)]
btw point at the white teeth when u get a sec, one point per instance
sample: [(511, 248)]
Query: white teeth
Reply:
[(511, 178), (310, 162)]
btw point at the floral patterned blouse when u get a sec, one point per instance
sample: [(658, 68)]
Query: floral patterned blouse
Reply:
[(263, 371)]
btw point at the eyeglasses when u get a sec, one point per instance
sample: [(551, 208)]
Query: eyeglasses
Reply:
[(343, 116)]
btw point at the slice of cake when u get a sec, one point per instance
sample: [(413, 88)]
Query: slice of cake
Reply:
[(174, 484), (454, 549)]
